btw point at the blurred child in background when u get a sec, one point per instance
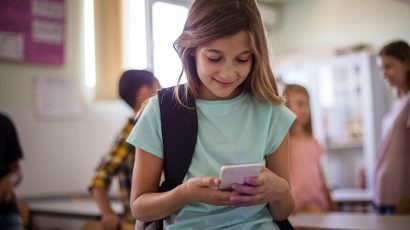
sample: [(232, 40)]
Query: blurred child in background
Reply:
[(305, 153), (135, 87)]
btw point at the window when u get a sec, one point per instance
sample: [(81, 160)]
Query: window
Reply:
[(140, 36), (134, 35), (89, 44), (168, 19)]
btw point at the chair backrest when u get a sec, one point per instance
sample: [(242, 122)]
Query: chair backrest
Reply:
[(126, 226), (96, 225)]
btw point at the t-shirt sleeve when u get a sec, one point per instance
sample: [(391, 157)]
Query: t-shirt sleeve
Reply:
[(147, 133), (280, 122)]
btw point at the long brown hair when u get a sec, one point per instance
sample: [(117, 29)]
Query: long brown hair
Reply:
[(212, 19), (399, 50), (291, 89)]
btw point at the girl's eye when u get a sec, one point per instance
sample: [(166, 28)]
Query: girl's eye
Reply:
[(214, 60), (242, 61)]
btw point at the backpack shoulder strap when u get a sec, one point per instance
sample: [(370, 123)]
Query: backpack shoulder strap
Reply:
[(179, 126)]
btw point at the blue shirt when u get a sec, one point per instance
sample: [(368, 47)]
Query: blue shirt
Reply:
[(238, 130)]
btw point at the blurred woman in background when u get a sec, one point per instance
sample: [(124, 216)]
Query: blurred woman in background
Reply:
[(393, 158)]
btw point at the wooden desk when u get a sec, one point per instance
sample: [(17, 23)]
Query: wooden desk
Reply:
[(83, 209), (347, 221)]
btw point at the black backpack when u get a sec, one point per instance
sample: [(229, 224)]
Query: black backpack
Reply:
[(179, 132)]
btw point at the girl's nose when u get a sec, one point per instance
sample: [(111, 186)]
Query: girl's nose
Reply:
[(228, 73)]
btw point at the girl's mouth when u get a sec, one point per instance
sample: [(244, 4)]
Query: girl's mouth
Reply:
[(223, 84)]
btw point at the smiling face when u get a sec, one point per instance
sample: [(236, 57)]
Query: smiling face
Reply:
[(394, 71), (223, 65)]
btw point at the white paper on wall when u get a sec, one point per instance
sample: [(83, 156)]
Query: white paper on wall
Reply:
[(47, 32), (58, 98), (11, 45), (47, 9)]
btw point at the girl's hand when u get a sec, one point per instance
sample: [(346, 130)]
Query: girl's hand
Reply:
[(205, 190), (265, 188)]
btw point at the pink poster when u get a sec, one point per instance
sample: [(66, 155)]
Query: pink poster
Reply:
[(32, 31)]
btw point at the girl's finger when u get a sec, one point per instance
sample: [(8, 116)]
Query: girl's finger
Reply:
[(208, 182), (254, 181), (243, 200), (245, 189)]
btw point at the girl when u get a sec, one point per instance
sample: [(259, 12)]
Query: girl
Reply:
[(393, 158), (241, 119), (307, 180)]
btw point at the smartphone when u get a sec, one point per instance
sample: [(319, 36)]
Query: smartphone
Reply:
[(237, 173)]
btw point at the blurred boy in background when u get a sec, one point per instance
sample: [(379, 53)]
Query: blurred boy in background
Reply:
[(135, 86)]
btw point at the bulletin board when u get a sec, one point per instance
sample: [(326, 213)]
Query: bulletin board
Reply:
[(32, 31)]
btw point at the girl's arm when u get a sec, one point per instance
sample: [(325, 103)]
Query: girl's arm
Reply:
[(283, 201), (326, 192), (147, 204), (271, 186)]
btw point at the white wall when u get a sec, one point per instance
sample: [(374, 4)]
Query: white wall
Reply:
[(59, 155), (314, 25)]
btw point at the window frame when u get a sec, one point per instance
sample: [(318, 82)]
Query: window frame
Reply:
[(149, 26)]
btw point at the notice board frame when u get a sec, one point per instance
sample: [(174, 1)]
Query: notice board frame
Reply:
[(32, 31)]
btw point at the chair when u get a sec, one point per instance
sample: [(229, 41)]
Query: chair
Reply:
[(96, 225), (403, 207), (127, 226)]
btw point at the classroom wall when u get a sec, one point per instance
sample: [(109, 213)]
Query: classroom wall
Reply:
[(59, 154), (315, 25)]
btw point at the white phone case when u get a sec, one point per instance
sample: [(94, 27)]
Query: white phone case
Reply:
[(237, 173)]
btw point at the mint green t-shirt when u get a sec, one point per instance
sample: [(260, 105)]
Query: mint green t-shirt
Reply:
[(239, 130)]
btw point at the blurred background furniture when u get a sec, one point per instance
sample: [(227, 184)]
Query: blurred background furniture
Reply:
[(403, 207), (95, 225), (348, 221)]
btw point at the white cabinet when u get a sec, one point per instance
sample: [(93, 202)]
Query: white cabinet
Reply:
[(347, 103)]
